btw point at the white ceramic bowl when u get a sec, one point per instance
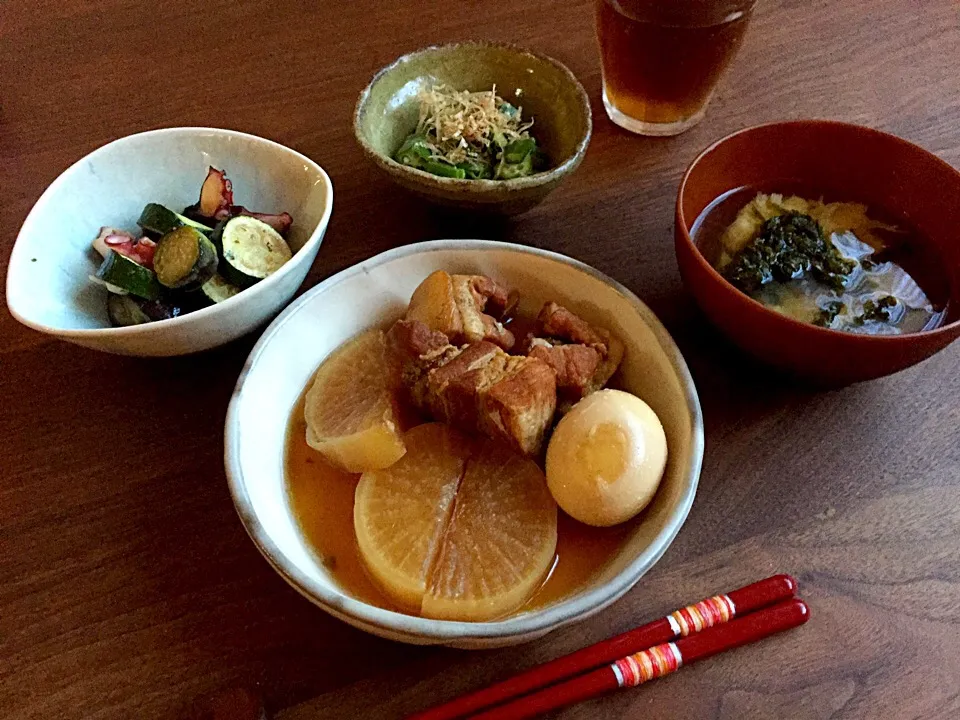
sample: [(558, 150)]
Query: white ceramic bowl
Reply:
[(48, 288), (376, 292)]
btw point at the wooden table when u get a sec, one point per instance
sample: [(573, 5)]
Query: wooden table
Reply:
[(129, 588)]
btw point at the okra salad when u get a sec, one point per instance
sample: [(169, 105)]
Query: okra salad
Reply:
[(188, 260), (471, 136)]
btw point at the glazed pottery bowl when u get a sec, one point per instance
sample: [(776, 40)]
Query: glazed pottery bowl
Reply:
[(48, 285), (375, 293), (850, 163), (388, 110)]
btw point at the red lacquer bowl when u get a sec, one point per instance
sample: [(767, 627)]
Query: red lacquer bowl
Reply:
[(856, 164)]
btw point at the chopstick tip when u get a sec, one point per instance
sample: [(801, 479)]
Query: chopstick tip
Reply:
[(804, 610), (789, 582)]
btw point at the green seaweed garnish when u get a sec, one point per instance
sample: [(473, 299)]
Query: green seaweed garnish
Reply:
[(876, 310), (829, 312), (788, 247)]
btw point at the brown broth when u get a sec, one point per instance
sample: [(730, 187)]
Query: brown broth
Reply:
[(322, 501), (521, 326)]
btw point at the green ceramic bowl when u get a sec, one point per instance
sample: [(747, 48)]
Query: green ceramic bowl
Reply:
[(388, 110)]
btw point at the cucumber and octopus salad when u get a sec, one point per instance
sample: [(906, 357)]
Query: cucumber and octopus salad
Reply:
[(185, 261), (471, 135)]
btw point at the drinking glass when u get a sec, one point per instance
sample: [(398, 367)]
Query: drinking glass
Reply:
[(662, 59)]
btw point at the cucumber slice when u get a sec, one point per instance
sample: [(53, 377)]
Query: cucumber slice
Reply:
[(251, 250), (124, 273), (217, 289), (156, 221), (124, 311), (185, 259)]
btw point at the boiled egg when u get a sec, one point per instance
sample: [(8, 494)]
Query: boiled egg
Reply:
[(606, 458)]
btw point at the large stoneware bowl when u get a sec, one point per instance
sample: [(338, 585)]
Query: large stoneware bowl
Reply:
[(373, 294)]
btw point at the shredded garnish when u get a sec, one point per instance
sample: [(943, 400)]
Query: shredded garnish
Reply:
[(459, 125)]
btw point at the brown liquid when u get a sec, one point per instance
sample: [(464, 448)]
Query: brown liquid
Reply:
[(322, 502), (662, 59)]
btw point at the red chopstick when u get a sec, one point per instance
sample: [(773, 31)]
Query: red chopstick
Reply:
[(680, 623), (655, 662)]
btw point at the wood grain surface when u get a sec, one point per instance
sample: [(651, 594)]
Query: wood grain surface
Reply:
[(128, 588)]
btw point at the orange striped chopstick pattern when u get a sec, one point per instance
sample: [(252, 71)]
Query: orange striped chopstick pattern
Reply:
[(687, 621), (701, 615), (647, 665), (653, 662)]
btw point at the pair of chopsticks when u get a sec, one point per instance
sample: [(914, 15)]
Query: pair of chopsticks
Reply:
[(645, 653)]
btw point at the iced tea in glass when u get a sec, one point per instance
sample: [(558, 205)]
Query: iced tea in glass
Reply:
[(662, 58)]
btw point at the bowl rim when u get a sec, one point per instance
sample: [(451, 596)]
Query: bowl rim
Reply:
[(539, 178), (797, 325), (567, 611), (134, 330)]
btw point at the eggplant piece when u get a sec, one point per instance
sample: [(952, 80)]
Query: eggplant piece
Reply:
[(162, 309), (124, 311), (127, 310)]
